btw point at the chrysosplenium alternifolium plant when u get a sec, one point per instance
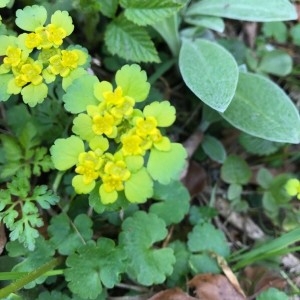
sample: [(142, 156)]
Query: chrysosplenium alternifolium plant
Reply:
[(116, 148), (33, 60)]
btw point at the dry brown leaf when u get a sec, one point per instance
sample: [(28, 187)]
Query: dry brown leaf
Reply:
[(256, 279), (3, 238), (172, 294), (214, 287), (230, 275), (195, 178)]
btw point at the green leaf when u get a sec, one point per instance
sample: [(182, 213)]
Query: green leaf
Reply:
[(172, 195), (213, 148), (205, 237), (31, 17), (267, 112), (44, 197), (235, 170), (109, 7), (130, 41), (210, 72), (80, 94), (12, 149), (272, 293), (146, 265), (181, 267), (203, 263), (31, 260), (165, 166), (234, 192), (254, 10), (168, 29), (258, 146), (214, 23), (5, 78), (68, 236), (264, 178), (133, 81), (3, 3), (53, 295), (34, 94), (94, 266), (276, 62), (139, 187), (278, 30), (149, 12), (295, 34), (164, 113), (65, 152)]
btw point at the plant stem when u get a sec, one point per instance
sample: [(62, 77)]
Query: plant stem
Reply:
[(19, 283), (57, 181)]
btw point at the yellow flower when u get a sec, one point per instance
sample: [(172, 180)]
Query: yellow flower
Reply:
[(13, 56), (55, 34), (114, 97), (118, 170), (293, 187), (132, 145), (29, 73), (104, 124), (111, 184), (147, 126), (88, 166), (33, 40)]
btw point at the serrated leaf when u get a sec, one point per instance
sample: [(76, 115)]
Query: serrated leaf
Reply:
[(165, 166), (181, 267), (80, 94), (210, 72), (11, 147), (267, 112), (43, 252), (139, 187), (258, 146), (34, 94), (146, 265), (213, 148), (44, 197), (205, 237), (94, 266), (203, 263), (65, 152), (67, 236), (133, 81), (235, 170), (254, 10), (172, 195), (109, 7), (149, 12), (130, 41), (3, 3), (31, 17)]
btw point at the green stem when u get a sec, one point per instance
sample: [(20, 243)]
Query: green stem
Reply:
[(17, 275), (18, 284), (57, 181)]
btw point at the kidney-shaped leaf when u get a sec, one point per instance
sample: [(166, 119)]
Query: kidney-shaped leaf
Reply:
[(210, 71), (254, 10), (262, 109)]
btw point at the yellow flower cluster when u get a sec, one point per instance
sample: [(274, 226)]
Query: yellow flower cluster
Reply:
[(33, 60), (118, 145)]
